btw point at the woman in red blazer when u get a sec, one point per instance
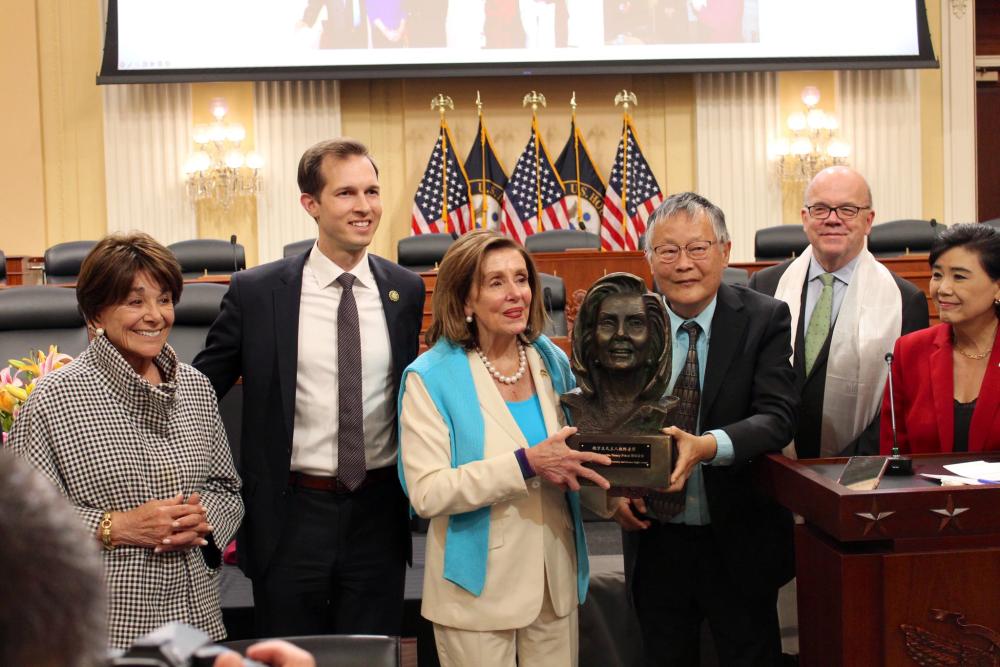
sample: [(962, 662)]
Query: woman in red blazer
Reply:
[(946, 378)]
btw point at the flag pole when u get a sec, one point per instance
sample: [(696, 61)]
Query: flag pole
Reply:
[(534, 99), (482, 160), (576, 157), (625, 98), (441, 103)]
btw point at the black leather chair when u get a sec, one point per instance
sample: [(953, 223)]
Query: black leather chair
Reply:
[(557, 240), (896, 238), (995, 222), (554, 299), (297, 248), (63, 260), (34, 317), (735, 276), (198, 308), (779, 243), (423, 251), (214, 257), (341, 650), (3, 267)]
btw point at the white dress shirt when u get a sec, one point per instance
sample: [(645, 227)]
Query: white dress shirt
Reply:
[(314, 439)]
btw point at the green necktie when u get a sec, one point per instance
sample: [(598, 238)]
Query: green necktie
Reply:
[(819, 323)]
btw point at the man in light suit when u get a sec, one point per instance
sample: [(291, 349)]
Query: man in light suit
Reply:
[(725, 553), (325, 539), (841, 372)]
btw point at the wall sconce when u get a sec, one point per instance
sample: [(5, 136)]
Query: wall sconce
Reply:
[(219, 170), (810, 144)]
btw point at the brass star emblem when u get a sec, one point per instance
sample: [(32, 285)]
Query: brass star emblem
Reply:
[(874, 517), (950, 513)]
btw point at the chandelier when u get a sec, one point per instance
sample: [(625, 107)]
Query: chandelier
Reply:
[(219, 171), (810, 144)]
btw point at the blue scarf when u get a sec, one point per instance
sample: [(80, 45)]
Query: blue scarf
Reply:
[(445, 372)]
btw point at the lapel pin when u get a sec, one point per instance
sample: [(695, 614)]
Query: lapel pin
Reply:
[(393, 295)]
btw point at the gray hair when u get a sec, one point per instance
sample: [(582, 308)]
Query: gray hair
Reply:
[(691, 204), (52, 611)]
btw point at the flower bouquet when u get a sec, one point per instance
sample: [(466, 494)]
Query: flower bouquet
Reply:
[(18, 380)]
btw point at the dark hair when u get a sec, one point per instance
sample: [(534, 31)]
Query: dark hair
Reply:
[(53, 580), (110, 268), (583, 362), (981, 240), (310, 175), (459, 272)]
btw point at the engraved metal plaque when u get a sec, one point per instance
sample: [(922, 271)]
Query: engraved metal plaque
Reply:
[(636, 460)]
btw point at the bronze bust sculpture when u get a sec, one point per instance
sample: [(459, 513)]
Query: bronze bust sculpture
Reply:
[(621, 359)]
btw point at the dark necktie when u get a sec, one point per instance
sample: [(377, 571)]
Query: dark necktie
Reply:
[(665, 506), (351, 428)]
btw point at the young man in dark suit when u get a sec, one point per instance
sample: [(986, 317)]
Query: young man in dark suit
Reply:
[(321, 340), (840, 353), (720, 549)]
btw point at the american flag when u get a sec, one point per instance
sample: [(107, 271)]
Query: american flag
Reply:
[(431, 214), (642, 195), (534, 181)]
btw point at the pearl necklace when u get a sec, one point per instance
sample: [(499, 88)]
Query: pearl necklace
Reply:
[(522, 366)]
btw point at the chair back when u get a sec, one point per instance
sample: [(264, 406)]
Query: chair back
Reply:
[(995, 222), (341, 650), (554, 299), (735, 276), (63, 261), (212, 256), (779, 243), (193, 315), (34, 317), (557, 240), (423, 251), (297, 248), (895, 238), (3, 267)]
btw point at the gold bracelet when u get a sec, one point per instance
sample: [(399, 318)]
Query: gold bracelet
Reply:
[(106, 532)]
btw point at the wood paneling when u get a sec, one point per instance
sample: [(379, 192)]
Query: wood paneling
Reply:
[(988, 148)]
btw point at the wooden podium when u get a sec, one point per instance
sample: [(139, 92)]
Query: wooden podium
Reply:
[(908, 574)]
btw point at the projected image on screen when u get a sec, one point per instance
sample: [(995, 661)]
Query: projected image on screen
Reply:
[(483, 36)]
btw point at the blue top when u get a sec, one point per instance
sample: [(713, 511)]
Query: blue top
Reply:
[(528, 415), (842, 277), (696, 504)]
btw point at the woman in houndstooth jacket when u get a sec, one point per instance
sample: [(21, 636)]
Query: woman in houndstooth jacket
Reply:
[(134, 439)]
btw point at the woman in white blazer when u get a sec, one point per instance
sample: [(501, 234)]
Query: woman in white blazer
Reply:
[(483, 455)]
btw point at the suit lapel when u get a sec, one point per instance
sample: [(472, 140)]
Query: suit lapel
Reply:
[(943, 388), (287, 296), (390, 309), (987, 413), (728, 327)]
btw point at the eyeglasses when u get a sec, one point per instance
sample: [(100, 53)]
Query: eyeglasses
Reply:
[(822, 211), (668, 253)]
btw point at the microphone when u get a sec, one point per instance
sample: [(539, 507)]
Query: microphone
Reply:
[(236, 266), (898, 465)]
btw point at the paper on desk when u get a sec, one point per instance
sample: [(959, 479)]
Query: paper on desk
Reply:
[(982, 470), (952, 480)]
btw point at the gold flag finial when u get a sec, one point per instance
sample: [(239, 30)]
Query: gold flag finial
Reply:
[(534, 99), (626, 98), (572, 102), (479, 104), (442, 102)]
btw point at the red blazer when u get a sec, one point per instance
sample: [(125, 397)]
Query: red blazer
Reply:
[(923, 380)]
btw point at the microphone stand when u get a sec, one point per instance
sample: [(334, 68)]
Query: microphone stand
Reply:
[(899, 466), (236, 265)]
